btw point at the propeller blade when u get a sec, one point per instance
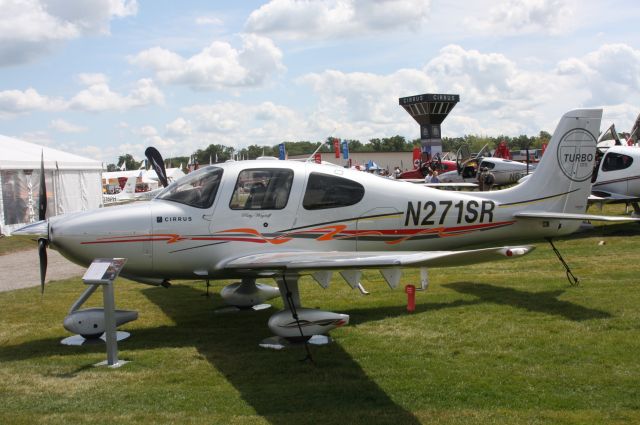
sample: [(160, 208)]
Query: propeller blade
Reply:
[(42, 196), (157, 163), (42, 253)]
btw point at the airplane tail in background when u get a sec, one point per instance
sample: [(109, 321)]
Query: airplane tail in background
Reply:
[(561, 182), (130, 185)]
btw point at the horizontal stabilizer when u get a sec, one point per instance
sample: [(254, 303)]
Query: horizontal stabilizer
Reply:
[(611, 197), (567, 216), (311, 262)]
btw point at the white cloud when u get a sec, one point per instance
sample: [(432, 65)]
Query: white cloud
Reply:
[(38, 137), (497, 96), (236, 124), (179, 128), (217, 66), (63, 126), (146, 131), (612, 73), (304, 19), (98, 96), (150, 137), (365, 97), (31, 28), (516, 17), (14, 102)]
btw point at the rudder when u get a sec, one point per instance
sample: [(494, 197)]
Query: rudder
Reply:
[(562, 180)]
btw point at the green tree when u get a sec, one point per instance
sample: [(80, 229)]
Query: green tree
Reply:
[(354, 145), (129, 162)]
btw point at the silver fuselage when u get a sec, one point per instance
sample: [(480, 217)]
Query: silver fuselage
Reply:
[(168, 240)]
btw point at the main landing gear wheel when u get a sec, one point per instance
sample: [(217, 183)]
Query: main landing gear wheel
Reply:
[(298, 325)]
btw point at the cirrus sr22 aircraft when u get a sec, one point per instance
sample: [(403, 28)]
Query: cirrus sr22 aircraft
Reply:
[(283, 219)]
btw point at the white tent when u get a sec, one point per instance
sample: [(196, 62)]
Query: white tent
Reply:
[(73, 182), (146, 176)]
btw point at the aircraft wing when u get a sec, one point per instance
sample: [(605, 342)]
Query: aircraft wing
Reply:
[(452, 185), (309, 261), (611, 197), (568, 216)]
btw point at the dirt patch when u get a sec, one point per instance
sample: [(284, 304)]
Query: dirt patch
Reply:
[(22, 270)]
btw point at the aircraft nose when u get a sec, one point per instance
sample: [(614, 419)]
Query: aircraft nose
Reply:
[(103, 233)]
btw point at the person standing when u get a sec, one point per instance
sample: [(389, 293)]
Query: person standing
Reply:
[(480, 177), (489, 179), (428, 178)]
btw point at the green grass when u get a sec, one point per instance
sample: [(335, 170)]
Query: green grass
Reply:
[(9, 244), (507, 342)]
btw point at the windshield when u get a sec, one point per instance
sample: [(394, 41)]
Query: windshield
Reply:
[(197, 189)]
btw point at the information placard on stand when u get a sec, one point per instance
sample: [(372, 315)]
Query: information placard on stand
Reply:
[(103, 271)]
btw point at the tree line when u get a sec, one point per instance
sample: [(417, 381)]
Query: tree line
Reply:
[(220, 153)]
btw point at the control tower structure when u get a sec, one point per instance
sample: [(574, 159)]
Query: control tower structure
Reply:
[(429, 110)]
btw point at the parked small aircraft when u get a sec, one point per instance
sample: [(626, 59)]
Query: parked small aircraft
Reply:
[(618, 175), (129, 193), (617, 171), (505, 171), (422, 168), (274, 219)]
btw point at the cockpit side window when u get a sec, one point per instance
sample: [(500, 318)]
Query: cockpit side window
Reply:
[(197, 189), (616, 161), (327, 191), (262, 189)]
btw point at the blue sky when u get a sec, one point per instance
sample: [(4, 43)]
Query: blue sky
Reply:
[(101, 78)]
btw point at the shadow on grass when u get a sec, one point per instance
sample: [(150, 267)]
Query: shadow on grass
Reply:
[(540, 302), (606, 230), (365, 315), (277, 385), (280, 387)]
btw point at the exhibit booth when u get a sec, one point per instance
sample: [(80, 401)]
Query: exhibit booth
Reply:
[(73, 183), (143, 176)]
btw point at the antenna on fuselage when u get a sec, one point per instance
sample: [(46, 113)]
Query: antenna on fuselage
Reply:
[(314, 152)]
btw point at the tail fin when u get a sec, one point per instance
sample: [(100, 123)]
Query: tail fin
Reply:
[(130, 185), (562, 180)]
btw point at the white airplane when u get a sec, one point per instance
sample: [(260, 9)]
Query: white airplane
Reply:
[(129, 194), (618, 175), (617, 172), (505, 171), (274, 219)]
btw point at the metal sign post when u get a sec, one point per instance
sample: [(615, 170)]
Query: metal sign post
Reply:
[(103, 271)]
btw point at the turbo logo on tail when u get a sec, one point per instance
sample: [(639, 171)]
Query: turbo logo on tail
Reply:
[(576, 153)]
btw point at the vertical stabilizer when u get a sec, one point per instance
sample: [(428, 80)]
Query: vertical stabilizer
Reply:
[(130, 186), (562, 180)]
